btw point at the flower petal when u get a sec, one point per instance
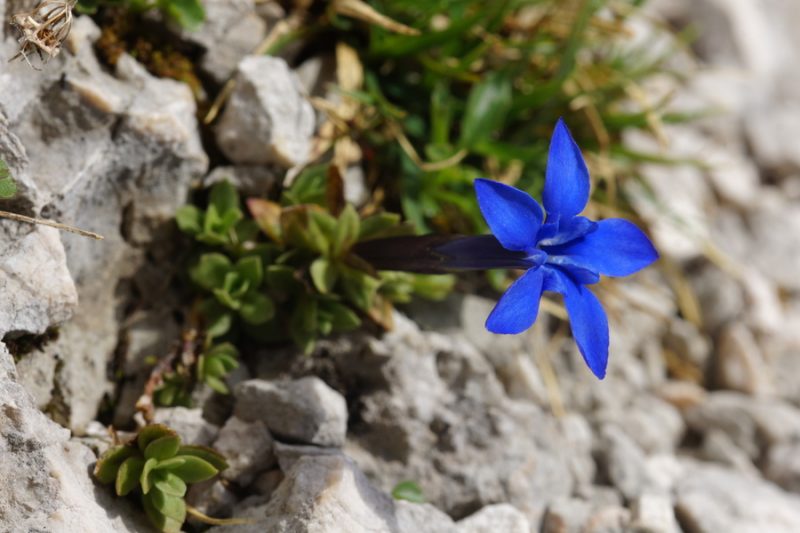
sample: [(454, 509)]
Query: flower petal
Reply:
[(566, 185), (616, 248), (587, 319), (517, 309), (513, 216), (566, 230)]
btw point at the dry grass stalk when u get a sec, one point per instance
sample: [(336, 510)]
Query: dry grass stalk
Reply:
[(43, 29)]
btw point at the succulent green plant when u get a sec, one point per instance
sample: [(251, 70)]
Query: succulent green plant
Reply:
[(222, 223), (157, 467), (236, 288), (209, 368), (287, 271)]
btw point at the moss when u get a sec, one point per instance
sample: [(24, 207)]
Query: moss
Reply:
[(151, 44)]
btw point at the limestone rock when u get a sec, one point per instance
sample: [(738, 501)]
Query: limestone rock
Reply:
[(422, 518), (783, 465), (267, 120), (653, 514), (499, 517), (321, 493), (714, 499), (188, 423), (740, 364), (231, 30), (247, 446), (34, 281), (435, 400), (114, 154), (305, 410), (46, 477)]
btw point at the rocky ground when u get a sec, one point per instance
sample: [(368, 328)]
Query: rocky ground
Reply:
[(695, 429)]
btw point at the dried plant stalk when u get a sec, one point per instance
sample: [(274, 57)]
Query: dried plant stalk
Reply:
[(43, 29)]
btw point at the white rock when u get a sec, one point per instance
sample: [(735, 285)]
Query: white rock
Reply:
[(248, 180), (34, 281), (247, 446), (740, 363), (499, 517), (566, 515), (109, 154), (321, 493), (765, 309), (231, 30), (720, 448), (678, 204), (653, 514), (422, 518), (623, 461), (188, 423), (783, 465), (46, 477), (608, 518), (305, 410), (775, 242), (267, 119), (714, 499)]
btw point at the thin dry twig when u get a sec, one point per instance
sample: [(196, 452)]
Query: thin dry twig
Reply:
[(44, 222)]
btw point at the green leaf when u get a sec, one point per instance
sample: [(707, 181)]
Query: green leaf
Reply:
[(169, 505), (163, 523), (383, 225), (409, 491), (170, 484), (194, 469), (152, 432), (342, 317), (189, 219), (211, 456), (433, 286), (488, 104), (280, 277), (145, 478), (347, 230), (213, 367), (309, 187), (441, 114), (250, 269), (218, 319), (129, 475), (188, 13), (170, 464), (225, 349), (359, 287), (8, 188), (163, 448), (303, 323), (211, 270), (256, 308), (323, 274), (105, 470), (319, 233), (217, 384), (223, 196), (166, 394)]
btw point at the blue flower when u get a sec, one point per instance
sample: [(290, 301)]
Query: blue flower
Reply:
[(563, 252)]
